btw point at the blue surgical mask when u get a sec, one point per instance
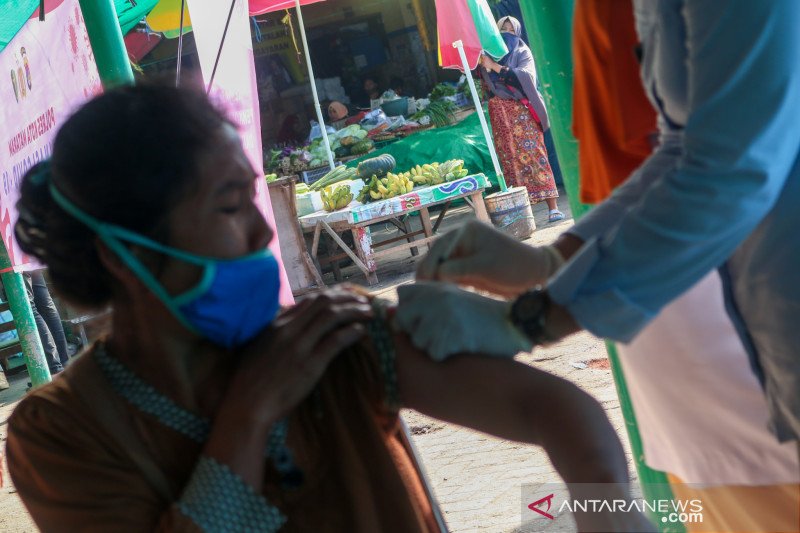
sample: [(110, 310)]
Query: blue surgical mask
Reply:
[(233, 301)]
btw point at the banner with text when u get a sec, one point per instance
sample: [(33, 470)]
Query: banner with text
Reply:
[(46, 71), (235, 90)]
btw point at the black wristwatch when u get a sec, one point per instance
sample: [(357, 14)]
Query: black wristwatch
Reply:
[(529, 315)]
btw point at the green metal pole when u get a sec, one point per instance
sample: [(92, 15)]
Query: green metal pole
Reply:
[(20, 307), (105, 37), (549, 27)]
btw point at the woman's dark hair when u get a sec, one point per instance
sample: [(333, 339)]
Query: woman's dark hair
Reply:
[(125, 157)]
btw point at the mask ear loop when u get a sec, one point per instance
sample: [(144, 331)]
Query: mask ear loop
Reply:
[(111, 236)]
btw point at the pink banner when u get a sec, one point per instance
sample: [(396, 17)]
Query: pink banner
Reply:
[(46, 71), (235, 91), (258, 7)]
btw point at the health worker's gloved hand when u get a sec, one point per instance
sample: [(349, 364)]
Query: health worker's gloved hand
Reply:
[(477, 255), (443, 320)]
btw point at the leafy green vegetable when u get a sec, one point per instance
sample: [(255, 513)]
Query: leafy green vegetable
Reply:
[(441, 90), (441, 113), (350, 131), (362, 147)]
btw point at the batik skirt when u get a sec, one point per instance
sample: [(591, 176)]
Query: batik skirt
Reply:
[(519, 141)]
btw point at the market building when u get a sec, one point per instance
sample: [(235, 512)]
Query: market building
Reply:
[(392, 43)]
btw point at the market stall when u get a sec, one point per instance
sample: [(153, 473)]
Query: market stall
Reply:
[(384, 40), (357, 220), (350, 138), (463, 140), (349, 199), (352, 199)]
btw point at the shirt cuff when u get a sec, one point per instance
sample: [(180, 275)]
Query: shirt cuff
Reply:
[(218, 500), (383, 340), (609, 313)]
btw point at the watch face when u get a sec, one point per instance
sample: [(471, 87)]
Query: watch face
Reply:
[(528, 314), (530, 305)]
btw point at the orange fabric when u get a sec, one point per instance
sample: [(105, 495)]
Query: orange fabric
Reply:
[(612, 117), (73, 474), (742, 509)]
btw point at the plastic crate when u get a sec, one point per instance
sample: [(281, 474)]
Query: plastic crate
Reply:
[(462, 100), (395, 108), (315, 174)]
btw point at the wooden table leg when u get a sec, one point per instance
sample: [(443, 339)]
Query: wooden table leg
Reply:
[(362, 240), (425, 217), (312, 268), (315, 242), (332, 246), (442, 214), (407, 229), (480, 207), (365, 261), (337, 271)]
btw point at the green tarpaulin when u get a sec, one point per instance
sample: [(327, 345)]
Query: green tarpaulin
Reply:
[(464, 140), (15, 13)]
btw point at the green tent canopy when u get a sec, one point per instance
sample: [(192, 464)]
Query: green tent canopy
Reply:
[(464, 140), (130, 12), (15, 13)]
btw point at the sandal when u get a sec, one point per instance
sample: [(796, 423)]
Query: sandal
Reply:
[(555, 216)]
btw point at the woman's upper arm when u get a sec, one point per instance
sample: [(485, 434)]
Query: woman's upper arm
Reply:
[(516, 402), (496, 396)]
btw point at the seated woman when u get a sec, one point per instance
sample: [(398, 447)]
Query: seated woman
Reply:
[(208, 408)]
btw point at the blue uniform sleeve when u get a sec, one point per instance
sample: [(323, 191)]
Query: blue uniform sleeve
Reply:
[(739, 143)]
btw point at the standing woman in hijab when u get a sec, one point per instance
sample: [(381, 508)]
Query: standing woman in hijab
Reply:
[(519, 118)]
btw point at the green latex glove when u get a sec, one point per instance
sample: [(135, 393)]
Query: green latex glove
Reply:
[(443, 320)]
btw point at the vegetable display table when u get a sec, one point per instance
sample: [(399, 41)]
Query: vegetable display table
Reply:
[(357, 219)]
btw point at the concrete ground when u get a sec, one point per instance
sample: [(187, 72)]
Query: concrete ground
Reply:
[(477, 479)]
